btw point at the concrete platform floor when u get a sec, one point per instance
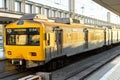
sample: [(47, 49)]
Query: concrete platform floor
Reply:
[(110, 71)]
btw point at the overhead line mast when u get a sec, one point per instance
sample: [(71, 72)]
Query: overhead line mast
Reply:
[(72, 8)]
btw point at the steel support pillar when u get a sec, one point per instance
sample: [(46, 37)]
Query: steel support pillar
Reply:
[(42, 10), (108, 17), (23, 6), (72, 8), (50, 15), (33, 8), (10, 5)]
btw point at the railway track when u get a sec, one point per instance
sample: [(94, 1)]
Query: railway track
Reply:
[(10, 72), (77, 69), (15, 74), (83, 68)]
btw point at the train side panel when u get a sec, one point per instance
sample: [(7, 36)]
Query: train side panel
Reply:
[(73, 41), (114, 36), (89, 39), (96, 38)]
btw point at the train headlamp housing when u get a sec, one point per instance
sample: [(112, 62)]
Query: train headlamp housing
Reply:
[(9, 53), (9, 30), (33, 54)]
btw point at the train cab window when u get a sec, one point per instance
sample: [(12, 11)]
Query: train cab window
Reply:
[(29, 36), (11, 39), (21, 39), (34, 39)]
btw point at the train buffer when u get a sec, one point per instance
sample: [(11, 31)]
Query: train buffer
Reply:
[(38, 76)]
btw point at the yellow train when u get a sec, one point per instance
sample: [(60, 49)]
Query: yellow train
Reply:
[(34, 40)]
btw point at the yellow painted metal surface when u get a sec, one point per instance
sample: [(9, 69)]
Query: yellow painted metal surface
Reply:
[(24, 52)]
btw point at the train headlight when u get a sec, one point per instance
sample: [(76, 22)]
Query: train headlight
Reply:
[(9, 53), (33, 54), (9, 30)]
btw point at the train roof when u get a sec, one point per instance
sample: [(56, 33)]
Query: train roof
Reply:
[(34, 17), (61, 22), (51, 24), (22, 23), (54, 24)]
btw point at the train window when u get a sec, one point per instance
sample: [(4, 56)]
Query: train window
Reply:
[(34, 39), (23, 37), (11, 39)]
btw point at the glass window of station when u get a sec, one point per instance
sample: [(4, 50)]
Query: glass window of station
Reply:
[(38, 9), (28, 8), (18, 6), (2, 4)]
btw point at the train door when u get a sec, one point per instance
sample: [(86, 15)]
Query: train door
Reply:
[(112, 37), (117, 36), (86, 38), (59, 41), (109, 37), (105, 37)]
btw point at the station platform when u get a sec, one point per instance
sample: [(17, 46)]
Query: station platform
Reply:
[(2, 55), (110, 71)]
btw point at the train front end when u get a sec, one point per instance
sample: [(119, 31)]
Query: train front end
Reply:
[(24, 43)]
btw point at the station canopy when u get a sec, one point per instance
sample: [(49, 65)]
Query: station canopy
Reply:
[(112, 5)]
